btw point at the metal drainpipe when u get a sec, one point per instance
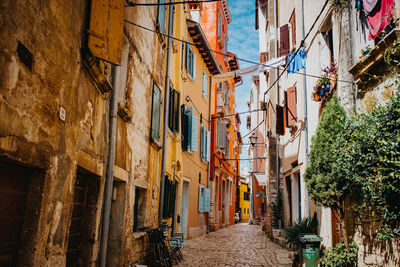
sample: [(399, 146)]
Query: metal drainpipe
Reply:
[(166, 114), (305, 112), (110, 170), (209, 163), (276, 94)]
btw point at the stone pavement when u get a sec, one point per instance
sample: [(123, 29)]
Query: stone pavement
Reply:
[(237, 245)]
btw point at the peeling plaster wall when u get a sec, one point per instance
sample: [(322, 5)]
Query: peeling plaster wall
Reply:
[(32, 133)]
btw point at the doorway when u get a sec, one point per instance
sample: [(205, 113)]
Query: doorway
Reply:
[(116, 224), (223, 202), (185, 208), (82, 230), (20, 202)]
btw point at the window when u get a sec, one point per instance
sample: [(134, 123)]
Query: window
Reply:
[(139, 209), (221, 134), (204, 199), (280, 120), (161, 15), (205, 82), (173, 120), (156, 113), (205, 144), (227, 148), (246, 195), (226, 92), (169, 198), (190, 61), (189, 129)]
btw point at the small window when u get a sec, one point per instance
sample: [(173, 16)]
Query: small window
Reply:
[(161, 15), (139, 209), (190, 61), (156, 113), (205, 82)]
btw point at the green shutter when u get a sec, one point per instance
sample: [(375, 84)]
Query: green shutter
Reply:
[(194, 66), (185, 126), (187, 56)]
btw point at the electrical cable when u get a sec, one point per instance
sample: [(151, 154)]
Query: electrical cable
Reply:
[(298, 49), (240, 159), (253, 129), (238, 113), (130, 4), (188, 99), (224, 54)]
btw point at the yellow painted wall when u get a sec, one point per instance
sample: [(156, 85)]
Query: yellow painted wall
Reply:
[(244, 204)]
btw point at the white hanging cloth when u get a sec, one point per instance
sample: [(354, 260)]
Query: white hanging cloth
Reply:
[(273, 63)]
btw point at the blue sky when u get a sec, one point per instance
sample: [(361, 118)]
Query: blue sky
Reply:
[(243, 41)]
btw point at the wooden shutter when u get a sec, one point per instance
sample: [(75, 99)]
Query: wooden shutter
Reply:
[(263, 57), (155, 114), (221, 134), (176, 111), (206, 200), (291, 107), (292, 22), (195, 135), (201, 197), (106, 29), (280, 120), (284, 45)]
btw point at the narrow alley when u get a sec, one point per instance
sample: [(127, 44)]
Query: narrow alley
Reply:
[(237, 245)]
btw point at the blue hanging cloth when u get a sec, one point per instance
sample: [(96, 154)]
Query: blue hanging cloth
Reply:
[(299, 61)]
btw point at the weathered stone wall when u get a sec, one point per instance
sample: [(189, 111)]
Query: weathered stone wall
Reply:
[(31, 132)]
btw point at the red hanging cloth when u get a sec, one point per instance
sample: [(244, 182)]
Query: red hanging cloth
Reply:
[(379, 17)]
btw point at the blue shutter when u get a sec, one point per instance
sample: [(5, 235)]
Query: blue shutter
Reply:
[(206, 200), (201, 197), (194, 65), (195, 135), (161, 15), (187, 57), (208, 146), (202, 154), (189, 112)]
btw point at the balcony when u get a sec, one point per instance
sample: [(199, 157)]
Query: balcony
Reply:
[(374, 65)]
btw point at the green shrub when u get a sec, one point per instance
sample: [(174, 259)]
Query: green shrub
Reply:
[(293, 233), (339, 257)]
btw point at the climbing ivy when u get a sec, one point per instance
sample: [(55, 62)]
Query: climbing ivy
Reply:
[(338, 256), (369, 163), (359, 158)]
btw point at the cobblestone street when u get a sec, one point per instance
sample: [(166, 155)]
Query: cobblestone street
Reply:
[(237, 245)]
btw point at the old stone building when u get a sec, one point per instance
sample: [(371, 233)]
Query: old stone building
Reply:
[(64, 63), (336, 41)]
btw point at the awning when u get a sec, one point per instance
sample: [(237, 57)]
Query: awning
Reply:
[(261, 179)]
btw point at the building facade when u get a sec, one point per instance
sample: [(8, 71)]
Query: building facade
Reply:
[(334, 41)]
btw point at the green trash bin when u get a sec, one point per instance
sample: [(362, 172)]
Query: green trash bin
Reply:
[(310, 250)]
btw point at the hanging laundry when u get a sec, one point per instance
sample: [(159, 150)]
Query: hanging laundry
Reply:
[(379, 14), (299, 61)]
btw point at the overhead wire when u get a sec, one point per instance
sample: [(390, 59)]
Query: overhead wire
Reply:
[(188, 99), (225, 55), (253, 129), (131, 4)]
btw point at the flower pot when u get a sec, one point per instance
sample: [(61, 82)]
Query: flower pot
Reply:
[(317, 98), (333, 78)]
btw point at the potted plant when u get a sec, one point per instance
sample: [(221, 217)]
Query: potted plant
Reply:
[(324, 85)]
